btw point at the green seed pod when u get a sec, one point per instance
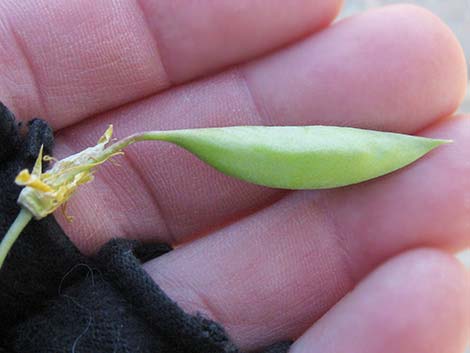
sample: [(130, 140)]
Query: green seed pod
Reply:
[(291, 157), (300, 157)]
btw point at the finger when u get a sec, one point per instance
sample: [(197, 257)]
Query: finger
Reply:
[(375, 71), (431, 199), (416, 303), (81, 57), (196, 37), (269, 276), (164, 192)]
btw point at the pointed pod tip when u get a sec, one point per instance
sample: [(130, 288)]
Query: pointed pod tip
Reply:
[(439, 142), (435, 142)]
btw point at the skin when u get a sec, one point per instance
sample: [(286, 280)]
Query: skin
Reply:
[(267, 264)]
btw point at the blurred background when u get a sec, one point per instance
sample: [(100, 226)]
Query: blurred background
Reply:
[(456, 13)]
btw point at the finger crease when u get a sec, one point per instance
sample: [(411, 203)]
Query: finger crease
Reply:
[(154, 37), (262, 116), (341, 240), (147, 186), (19, 43)]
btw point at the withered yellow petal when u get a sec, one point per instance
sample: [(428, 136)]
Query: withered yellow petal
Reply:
[(26, 179), (106, 136)]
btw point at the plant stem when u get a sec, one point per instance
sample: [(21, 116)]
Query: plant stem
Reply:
[(15, 230), (141, 136)]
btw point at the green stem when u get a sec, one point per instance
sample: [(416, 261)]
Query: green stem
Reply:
[(15, 230), (141, 136)]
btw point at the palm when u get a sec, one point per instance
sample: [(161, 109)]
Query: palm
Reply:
[(267, 263)]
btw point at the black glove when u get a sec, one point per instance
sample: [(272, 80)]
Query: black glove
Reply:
[(54, 299)]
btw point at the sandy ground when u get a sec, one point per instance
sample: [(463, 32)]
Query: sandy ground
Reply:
[(456, 13)]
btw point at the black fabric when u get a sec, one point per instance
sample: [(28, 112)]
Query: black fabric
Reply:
[(43, 253), (54, 299), (281, 347)]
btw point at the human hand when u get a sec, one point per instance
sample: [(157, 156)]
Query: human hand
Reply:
[(268, 264)]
